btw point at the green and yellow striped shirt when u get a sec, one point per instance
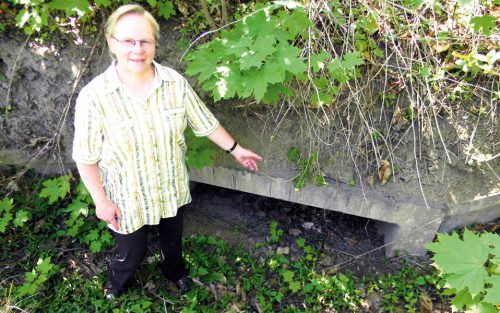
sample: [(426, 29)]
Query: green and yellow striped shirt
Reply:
[(139, 145)]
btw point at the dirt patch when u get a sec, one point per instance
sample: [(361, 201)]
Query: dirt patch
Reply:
[(347, 242)]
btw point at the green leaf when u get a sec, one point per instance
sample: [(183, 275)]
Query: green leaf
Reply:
[(369, 23), (27, 289), (299, 184), (294, 154), (493, 240), (4, 222), (318, 61), (6, 204), (274, 91), (289, 56), (166, 9), (263, 47), (44, 266), (95, 246), (255, 84), (351, 60), (102, 3), (21, 218), (92, 235), (295, 286), (320, 98), (493, 293), (485, 22), (199, 152), (296, 23), (482, 308), (287, 275), (70, 6), (336, 71), (258, 24), (414, 4), (462, 299), (463, 261), (319, 180), (55, 188)]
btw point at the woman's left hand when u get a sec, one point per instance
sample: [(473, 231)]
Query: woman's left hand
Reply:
[(247, 158)]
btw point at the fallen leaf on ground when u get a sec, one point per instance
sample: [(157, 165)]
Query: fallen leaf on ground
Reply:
[(425, 304)]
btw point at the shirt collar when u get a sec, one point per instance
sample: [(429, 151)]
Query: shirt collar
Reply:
[(113, 81)]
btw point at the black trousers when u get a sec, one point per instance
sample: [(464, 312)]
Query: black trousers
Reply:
[(131, 249)]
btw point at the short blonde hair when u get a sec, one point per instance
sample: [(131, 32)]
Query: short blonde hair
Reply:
[(109, 27)]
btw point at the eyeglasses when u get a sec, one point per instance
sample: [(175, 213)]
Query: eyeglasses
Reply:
[(130, 43)]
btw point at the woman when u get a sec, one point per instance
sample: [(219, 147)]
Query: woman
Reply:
[(129, 147)]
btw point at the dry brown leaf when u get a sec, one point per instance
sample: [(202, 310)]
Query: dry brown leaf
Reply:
[(440, 45), (39, 224), (399, 119), (182, 7), (332, 270), (384, 171), (214, 292), (425, 304), (495, 12), (351, 241)]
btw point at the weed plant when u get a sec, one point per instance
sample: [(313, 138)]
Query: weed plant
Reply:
[(46, 269)]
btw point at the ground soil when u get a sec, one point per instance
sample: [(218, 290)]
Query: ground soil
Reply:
[(348, 242)]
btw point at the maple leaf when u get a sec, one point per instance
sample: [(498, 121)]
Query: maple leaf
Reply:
[(4, 221), (295, 286), (95, 246), (166, 10), (259, 23), (204, 62), (44, 266), (493, 293), (318, 61), (369, 23), (296, 23), (287, 275), (493, 240), (55, 188), (6, 204), (288, 57), (21, 218), (70, 6), (273, 72), (351, 60), (274, 91), (336, 71), (486, 22), (461, 299), (259, 50), (254, 83), (463, 262)]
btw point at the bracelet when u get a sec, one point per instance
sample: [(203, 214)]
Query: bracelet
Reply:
[(232, 148)]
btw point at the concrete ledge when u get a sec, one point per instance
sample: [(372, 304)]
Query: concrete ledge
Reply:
[(481, 210), (405, 227)]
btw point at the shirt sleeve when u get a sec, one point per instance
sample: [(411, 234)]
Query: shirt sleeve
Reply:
[(199, 117), (87, 141)]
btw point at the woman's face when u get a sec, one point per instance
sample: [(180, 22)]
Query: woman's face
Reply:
[(133, 44)]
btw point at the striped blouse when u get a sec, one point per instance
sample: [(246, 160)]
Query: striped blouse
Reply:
[(139, 145)]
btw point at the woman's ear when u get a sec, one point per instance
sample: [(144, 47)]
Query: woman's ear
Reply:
[(111, 46)]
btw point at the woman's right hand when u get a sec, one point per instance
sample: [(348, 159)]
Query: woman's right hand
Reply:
[(108, 212)]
